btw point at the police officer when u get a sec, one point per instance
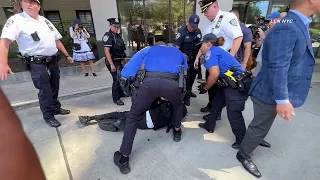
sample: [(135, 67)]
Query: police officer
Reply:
[(114, 49), (186, 40), (226, 25), (38, 42), (233, 86), (160, 66)]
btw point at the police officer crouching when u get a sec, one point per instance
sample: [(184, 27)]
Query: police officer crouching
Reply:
[(234, 83), (159, 72), (38, 42), (186, 40), (114, 49)]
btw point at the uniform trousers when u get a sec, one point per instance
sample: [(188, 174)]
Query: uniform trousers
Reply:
[(235, 101), (211, 91), (191, 76), (264, 115), (117, 92), (46, 78), (150, 89)]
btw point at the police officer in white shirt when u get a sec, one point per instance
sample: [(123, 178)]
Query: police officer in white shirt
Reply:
[(223, 24), (38, 42)]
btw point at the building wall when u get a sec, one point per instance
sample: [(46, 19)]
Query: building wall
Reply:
[(3, 18)]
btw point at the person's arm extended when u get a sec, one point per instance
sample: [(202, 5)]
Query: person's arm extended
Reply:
[(18, 158), (280, 45), (236, 45), (214, 73)]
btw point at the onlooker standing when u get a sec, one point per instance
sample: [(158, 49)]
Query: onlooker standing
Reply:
[(81, 51)]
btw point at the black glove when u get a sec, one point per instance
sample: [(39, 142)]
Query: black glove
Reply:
[(202, 89)]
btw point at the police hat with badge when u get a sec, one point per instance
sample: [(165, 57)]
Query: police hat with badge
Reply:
[(204, 4), (194, 20), (114, 22)]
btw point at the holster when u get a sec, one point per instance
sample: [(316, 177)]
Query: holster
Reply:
[(182, 79), (141, 74), (125, 85)]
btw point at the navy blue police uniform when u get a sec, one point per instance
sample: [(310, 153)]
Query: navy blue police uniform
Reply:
[(233, 97), (37, 44), (187, 41), (162, 65), (117, 47)]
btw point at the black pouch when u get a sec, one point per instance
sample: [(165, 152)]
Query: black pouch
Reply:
[(76, 46)]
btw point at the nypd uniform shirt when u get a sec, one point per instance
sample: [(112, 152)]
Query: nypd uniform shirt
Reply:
[(225, 25), (187, 41), (19, 28)]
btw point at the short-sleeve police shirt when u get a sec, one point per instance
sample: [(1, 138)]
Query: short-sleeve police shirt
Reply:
[(108, 39), (19, 28), (187, 40), (225, 25)]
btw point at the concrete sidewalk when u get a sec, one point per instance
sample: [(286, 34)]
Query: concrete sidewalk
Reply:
[(78, 152)]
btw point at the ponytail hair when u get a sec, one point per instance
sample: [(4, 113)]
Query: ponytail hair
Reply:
[(217, 42)]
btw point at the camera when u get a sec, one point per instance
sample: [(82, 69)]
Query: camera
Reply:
[(81, 27), (255, 29)]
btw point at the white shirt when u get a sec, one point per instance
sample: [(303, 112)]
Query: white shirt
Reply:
[(228, 27), (80, 37), (19, 27)]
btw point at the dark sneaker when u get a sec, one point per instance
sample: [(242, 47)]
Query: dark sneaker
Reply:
[(186, 102), (94, 74), (203, 126), (206, 117), (205, 109), (84, 119), (119, 102), (177, 135), (62, 112), (236, 145), (86, 74), (53, 122), (122, 162)]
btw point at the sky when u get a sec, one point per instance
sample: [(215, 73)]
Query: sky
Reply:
[(263, 6)]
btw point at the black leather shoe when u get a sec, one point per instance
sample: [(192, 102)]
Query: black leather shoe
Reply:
[(119, 102), (236, 145), (205, 109), (192, 95), (122, 162), (265, 144), (203, 126), (84, 119), (94, 74), (206, 117), (248, 164), (186, 102), (87, 74), (62, 112), (53, 122), (177, 135)]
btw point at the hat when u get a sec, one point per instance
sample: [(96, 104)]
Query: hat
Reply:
[(114, 22), (273, 15), (204, 4), (207, 37), (76, 21), (194, 20), (261, 17)]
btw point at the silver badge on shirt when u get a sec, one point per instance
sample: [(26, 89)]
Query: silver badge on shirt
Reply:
[(9, 22), (233, 22), (105, 38)]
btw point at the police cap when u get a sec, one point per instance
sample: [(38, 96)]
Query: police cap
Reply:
[(114, 22), (207, 38), (204, 4), (194, 20)]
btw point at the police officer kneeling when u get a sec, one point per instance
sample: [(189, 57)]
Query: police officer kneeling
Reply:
[(234, 83), (161, 65), (38, 42)]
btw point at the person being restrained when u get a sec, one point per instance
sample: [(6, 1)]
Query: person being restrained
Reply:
[(158, 116)]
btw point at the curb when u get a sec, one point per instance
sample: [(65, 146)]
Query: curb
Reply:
[(33, 103)]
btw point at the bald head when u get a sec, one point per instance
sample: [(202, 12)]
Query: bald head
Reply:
[(283, 14), (236, 12)]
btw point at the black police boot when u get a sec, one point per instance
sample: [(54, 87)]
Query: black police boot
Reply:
[(61, 112), (186, 102), (247, 163), (119, 102), (205, 109), (177, 135), (53, 122), (85, 119), (203, 126), (122, 162), (192, 94), (265, 144), (236, 145), (206, 117)]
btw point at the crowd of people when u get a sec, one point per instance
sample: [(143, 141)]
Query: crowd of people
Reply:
[(160, 77)]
